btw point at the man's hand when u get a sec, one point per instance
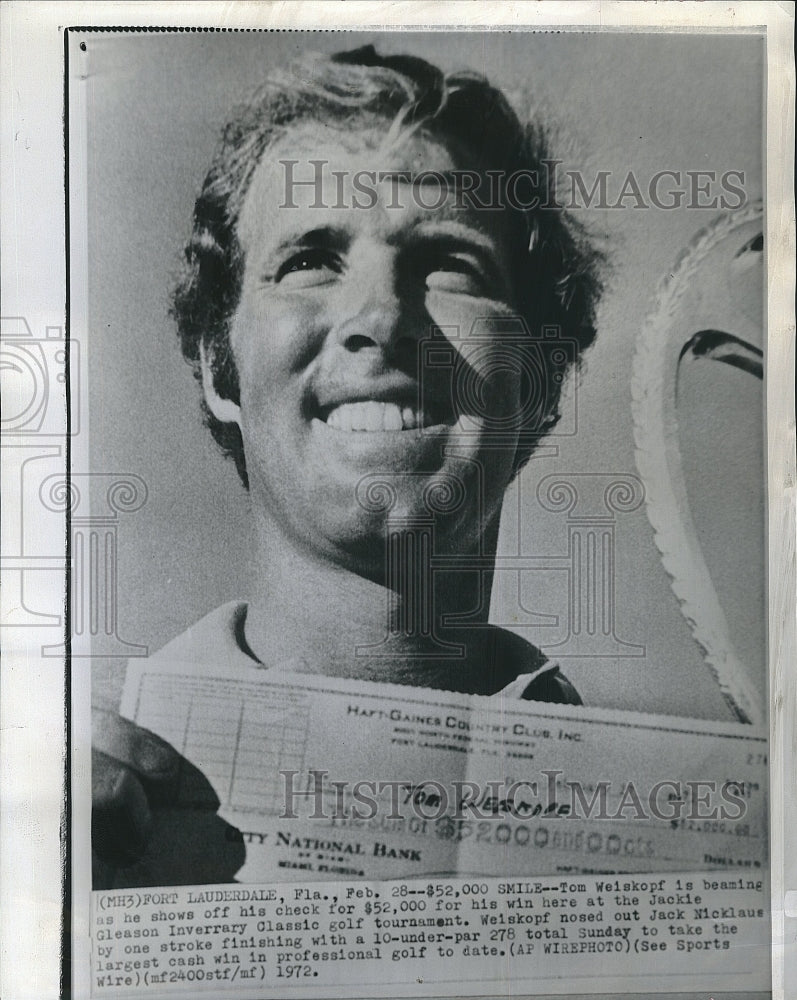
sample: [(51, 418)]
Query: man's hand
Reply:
[(132, 771)]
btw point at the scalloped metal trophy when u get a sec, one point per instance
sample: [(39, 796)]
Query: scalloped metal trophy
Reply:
[(698, 408)]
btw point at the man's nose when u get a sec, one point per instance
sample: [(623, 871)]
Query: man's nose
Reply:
[(377, 313)]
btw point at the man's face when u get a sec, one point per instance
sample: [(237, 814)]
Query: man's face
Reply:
[(334, 304)]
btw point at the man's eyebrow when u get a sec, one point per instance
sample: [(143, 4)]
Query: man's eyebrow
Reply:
[(323, 237), (465, 238), (460, 232)]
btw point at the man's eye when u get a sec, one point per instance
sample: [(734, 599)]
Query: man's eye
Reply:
[(309, 267), (456, 274)]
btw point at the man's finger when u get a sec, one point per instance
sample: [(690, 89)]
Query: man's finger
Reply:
[(150, 757)]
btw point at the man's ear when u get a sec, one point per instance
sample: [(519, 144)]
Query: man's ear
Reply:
[(222, 409)]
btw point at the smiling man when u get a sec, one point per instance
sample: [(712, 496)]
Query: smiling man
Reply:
[(376, 254)]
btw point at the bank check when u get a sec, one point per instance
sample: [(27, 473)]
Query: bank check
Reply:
[(320, 778)]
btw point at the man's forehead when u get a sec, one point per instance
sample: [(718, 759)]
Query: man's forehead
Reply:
[(304, 157), (314, 173)]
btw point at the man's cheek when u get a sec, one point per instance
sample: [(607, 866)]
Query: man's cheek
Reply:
[(261, 426)]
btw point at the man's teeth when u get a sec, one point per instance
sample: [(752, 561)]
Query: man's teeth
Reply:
[(371, 415)]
